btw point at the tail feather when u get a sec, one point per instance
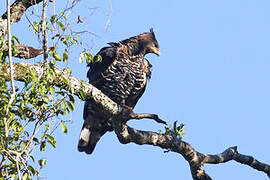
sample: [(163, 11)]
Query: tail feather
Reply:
[(88, 139), (94, 127)]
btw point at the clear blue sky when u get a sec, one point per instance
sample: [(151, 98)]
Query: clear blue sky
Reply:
[(213, 75)]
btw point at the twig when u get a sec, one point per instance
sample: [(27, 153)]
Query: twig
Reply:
[(108, 23), (9, 154), (4, 158), (12, 97), (146, 115), (44, 33), (18, 168)]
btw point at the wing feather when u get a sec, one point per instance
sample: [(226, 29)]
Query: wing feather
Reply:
[(108, 55)]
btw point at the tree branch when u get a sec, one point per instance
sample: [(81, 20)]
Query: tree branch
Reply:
[(44, 32), (24, 51), (17, 10), (127, 134), (195, 159), (21, 70)]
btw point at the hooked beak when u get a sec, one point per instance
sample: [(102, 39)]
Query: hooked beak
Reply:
[(156, 51)]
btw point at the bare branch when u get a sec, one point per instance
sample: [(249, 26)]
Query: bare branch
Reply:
[(44, 32), (24, 51), (108, 23), (18, 168), (252, 162), (147, 116), (12, 97)]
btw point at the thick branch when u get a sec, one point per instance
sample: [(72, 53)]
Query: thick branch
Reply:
[(21, 70), (232, 154), (127, 134), (195, 159), (17, 10)]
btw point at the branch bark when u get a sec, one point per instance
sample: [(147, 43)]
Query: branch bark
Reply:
[(17, 10), (21, 70), (195, 159), (24, 51)]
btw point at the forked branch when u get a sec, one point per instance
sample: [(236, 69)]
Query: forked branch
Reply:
[(195, 159)]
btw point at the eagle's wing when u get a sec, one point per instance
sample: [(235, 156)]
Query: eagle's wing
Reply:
[(95, 124), (108, 55)]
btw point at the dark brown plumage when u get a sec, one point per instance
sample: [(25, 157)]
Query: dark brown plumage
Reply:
[(121, 75)]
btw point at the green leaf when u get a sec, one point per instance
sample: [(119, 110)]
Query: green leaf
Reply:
[(180, 127), (42, 163), (70, 105), (26, 176), (14, 50), (89, 58), (82, 95), (63, 127), (52, 89), (62, 27), (181, 133), (71, 98), (63, 14), (33, 171), (98, 58), (36, 140), (51, 140), (16, 39), (65, 56), (53, 18), (64, 40), (52, 62), (56, 56), (174, 126), (33, 159), (36, 28), (68, 70), (1, 54), (33, 74), (65, 80), (71, 90), (43, 146)]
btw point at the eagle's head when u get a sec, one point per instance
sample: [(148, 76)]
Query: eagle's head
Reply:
[(143, 44), (149, 42)]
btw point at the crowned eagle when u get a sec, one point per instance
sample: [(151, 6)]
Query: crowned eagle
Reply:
[(122, 75)]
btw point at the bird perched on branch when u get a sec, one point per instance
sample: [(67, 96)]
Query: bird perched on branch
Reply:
[(121, 75)]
